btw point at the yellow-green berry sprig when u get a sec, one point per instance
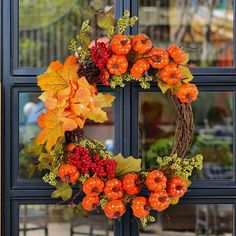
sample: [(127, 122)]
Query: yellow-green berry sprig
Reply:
[(73, 45), (125, 21), (119, 80), (111, 31), (178, 166), (144, 82), (82, 54)]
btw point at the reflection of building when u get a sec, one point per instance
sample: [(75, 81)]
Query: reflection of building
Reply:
[(207, 25)]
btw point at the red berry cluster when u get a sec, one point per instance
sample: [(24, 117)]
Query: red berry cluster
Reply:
[(81, 158), (92, 164), (100, 54)]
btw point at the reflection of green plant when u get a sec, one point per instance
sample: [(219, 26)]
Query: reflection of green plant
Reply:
[(29, 51), (213, 150), (161, 147)]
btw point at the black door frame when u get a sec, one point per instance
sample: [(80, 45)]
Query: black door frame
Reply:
[(15, 80)]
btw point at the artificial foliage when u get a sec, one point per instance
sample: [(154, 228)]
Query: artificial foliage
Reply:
[(70, 159)]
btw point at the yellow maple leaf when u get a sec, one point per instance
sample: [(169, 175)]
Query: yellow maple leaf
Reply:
[(57, 76), (52, 129)]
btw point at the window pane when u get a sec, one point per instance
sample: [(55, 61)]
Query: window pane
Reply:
[(213, 115), (48, 220), (46, 29), (192, 220), (30, 107), (206, 26)]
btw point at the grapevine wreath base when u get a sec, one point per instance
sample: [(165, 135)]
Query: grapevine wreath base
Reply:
[(68, 158)]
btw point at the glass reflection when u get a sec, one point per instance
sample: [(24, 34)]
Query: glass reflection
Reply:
[(213, 114), (50, 220), (193, 220), (30, 107), (204, 27), (47, 27)]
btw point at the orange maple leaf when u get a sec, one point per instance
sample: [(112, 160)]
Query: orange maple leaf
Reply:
[(52, 129), (56, 78)]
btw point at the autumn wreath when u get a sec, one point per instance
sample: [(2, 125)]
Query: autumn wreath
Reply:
[(108, 183)]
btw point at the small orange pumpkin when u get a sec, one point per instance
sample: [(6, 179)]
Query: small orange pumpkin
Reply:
[(140, 207), (176, 53), (187, 93), (68, 173), (93, 186), (90, 203), (113, 189), (139, 67), (156, 181), (117, 65), (130, 184), (159, 201), (114, 209), (141, 43), (176, 187), (171, 74), (120, 44), (158, 58)]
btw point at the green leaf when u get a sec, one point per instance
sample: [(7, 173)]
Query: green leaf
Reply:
[(31, 169), (186, 74), (87, 13), (63, 190), (126, 165), (43, 164), (106, 20), (164, 87), (174, 200), (85, 40), (97, 4), (33, 147)]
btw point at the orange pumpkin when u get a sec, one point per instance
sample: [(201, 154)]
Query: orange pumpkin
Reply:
[(113, 189), (176, 187), (93, 186), (140, 207), (114, 209), (139, 67), (171, 74), (104, 77), (141, 43), (158, 58), (130, 184), (90, 203), (187, 93), (120, 44), (159, 201), (117, 65), (156, 181), (68, 173), (176, 53)]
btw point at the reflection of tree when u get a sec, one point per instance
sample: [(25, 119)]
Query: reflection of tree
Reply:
[(207, 25), (46, 28)]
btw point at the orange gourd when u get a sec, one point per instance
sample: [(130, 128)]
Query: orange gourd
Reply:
[(68, 173), (140, 207), (158, 58), (159, 201), (120, 44), (156, 181), (176, 53), (176, 187), (114, 209), (117, 65), (171, 74), (93, 186), (113, 189), (130, 184), (187, 93), (139, 67), (90, 203), (141, 43)]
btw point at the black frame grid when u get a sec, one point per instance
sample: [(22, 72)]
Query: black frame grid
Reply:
[(16, 80)]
